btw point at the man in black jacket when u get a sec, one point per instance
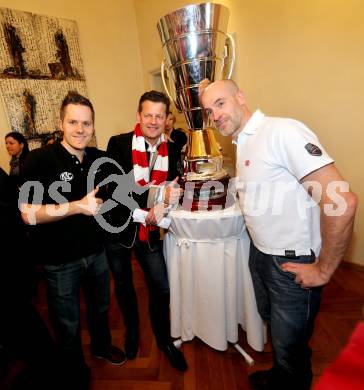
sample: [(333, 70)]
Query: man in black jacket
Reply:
[(153, 161), (23, 334)]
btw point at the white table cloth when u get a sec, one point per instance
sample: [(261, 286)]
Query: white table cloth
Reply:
[(211, 288)]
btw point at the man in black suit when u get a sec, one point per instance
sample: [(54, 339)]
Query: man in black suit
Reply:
[(153, 161)]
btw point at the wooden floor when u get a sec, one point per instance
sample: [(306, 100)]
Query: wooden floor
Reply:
[(341, 309)]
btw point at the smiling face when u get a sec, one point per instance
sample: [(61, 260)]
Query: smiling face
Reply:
[(77, 127), (225, 104), (13, 146), (152, 119)]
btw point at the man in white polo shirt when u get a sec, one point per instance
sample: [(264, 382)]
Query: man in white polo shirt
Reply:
[(299, 212)]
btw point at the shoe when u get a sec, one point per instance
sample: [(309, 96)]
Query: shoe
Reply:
[(175, 357), (131, 344), (261, 380), (114, 356), (276, 378)]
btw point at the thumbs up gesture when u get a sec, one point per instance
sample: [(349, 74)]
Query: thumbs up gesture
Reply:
[(90, 204), (172, 193)]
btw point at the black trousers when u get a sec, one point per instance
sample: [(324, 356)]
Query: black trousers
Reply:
[(151, 260)]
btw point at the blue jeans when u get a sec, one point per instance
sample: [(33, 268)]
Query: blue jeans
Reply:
[(64, 284), (151, 260), (290, 312)]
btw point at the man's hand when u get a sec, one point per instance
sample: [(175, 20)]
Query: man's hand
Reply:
[(36, 214), (90, 204), (155, 214), (172, 193), (307, 275)]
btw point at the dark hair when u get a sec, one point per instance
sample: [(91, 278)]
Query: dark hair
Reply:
[(73, 97), (171, 113), (156, 97), (21, 139)]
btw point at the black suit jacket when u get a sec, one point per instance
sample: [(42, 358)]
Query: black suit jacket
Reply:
[(179, 137), (119, 149)]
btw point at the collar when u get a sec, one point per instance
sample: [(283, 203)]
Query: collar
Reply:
[(65, 152), (14, 159), (251, 126), (152, 148)]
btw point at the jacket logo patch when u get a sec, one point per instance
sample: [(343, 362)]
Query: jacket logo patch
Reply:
[(313, 150), (66, 176)]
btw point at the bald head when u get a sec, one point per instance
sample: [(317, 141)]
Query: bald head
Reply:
[(226, 85), (225, 104)]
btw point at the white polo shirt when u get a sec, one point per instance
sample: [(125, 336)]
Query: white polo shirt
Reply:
[(273, 155)]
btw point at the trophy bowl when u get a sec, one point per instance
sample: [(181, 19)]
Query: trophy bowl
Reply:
[(196, 46)]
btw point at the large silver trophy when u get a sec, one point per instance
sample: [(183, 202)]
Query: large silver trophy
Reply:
[(196, 46)]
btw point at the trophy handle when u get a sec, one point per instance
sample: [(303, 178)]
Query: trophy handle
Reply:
[(172, 99), (230, 45)]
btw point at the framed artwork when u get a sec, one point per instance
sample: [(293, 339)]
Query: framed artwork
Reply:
[(40, 61)]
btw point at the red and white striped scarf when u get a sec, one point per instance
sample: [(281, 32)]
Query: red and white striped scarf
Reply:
[(142, 173)]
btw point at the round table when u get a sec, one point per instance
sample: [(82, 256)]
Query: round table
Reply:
[(211, 288)]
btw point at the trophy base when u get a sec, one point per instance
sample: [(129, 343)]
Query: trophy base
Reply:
[(206, 195)]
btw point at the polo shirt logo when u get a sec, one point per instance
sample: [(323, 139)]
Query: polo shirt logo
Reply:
[(247, 163), (66, 176), (313, 150)]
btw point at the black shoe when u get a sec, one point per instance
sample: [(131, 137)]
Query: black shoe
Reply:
[(261, 380), (114, 356), (131, 344), (276, 378), (175, 357)]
